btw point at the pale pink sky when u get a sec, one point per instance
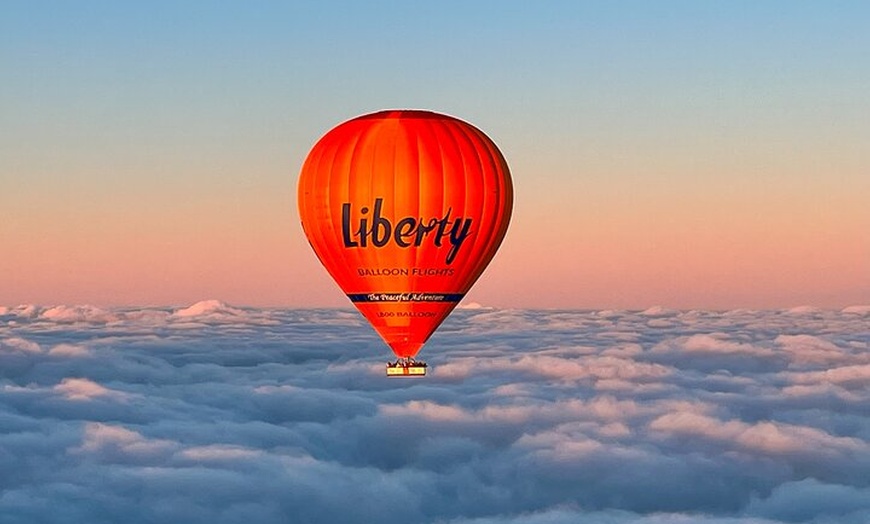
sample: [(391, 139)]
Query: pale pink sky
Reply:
[(570, 245)]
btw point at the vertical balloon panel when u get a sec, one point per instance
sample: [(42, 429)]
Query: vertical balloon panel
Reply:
[(405, 209)]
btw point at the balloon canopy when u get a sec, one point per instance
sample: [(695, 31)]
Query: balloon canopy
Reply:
[(405, 209)]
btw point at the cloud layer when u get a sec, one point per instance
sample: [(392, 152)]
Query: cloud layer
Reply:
[(219, 414)]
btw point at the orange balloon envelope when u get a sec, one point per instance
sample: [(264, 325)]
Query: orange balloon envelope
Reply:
[(405, 209)]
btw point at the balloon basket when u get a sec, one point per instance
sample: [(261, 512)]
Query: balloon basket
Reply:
[(406, 368)]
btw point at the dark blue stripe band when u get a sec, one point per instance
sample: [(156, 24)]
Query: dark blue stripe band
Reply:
[(405, 297)]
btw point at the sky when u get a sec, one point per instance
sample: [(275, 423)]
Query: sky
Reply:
[(679, 153), (212, 413)]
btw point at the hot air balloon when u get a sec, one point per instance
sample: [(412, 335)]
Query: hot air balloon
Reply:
[(405, 209)]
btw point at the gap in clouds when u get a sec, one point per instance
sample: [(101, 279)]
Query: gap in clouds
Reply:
[(218, 413)]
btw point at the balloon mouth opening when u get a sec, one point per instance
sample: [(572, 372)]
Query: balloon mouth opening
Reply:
[(406, 350)]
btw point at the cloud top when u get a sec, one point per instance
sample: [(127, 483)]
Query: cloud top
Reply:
[(216, 413)]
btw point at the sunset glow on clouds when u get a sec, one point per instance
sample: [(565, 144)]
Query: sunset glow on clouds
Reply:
[(217, 413), (691, 155)]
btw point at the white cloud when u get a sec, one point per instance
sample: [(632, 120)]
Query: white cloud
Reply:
[(70, 314), (549, 367), (111, 442), (428, 410), (857, 375), (84, 389), (208, 308), (24, 311), (472, 305), (810, 349), (658, 311), (223, 414), (218, 453), (857, 310), (804, 310), (720, 343), (69, 350), (19, 344), (765, 437)]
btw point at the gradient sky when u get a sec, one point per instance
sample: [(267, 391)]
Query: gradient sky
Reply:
[(693, 154)]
